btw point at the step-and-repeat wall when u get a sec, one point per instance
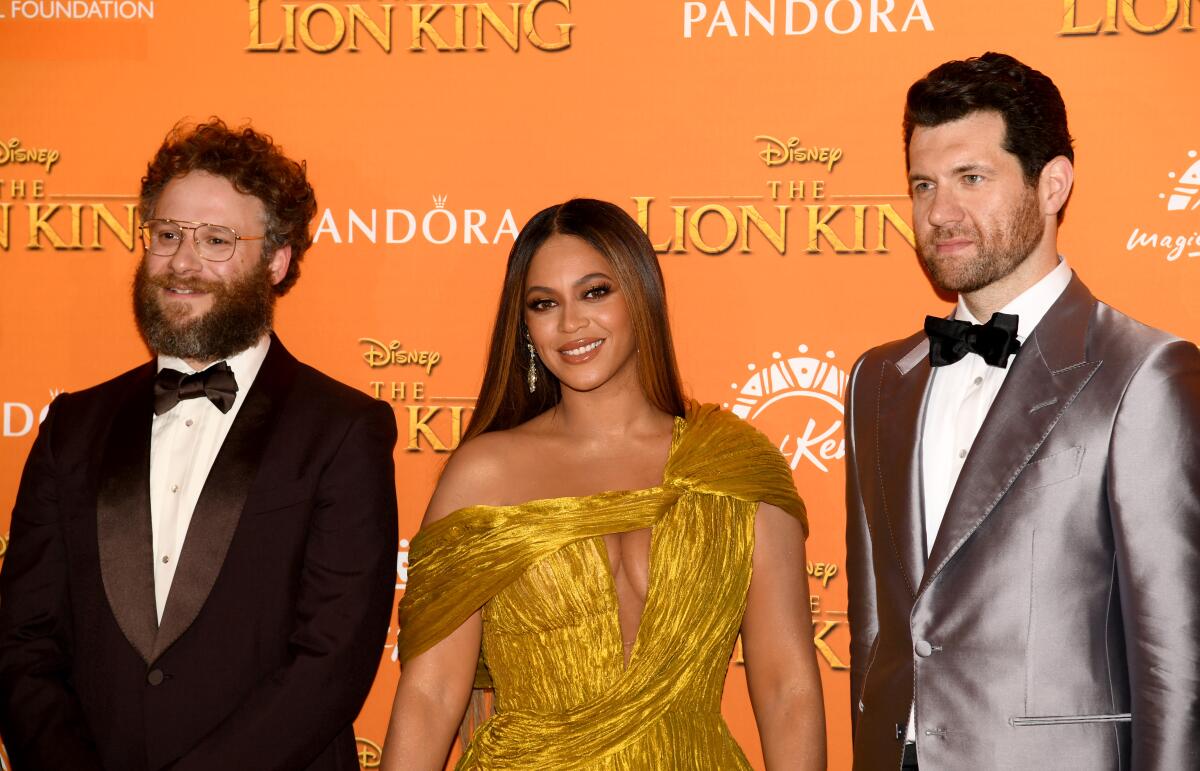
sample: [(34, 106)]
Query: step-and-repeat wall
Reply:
[(757, 141)]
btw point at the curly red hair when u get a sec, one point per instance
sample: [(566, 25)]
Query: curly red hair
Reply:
[(255, 166)]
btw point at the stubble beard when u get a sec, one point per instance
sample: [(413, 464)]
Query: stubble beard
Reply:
[(998, 253), (242, 312)]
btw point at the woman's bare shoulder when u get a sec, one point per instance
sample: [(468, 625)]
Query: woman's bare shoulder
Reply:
[(480, 472)]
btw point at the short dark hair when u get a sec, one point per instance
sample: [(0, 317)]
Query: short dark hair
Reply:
[(1035, 118), (255, 166)]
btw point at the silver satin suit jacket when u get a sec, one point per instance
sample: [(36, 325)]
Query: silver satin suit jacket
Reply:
[(1056, 622)]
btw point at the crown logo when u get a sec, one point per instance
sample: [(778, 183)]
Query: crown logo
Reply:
[(782, 378), (810, 378), (439, 201)]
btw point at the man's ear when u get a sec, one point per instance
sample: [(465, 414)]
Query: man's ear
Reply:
[(1054, 185), (279, 262)]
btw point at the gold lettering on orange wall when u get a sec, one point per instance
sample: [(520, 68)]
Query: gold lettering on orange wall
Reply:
[(4, 220), (17, 188), (42, 228), (1109, 27), (460, 26), (823, 648), (680, 230), (508, 32), (339, 27), (289, 27), (531, 31), (428, 28), (76, 226), (860, 227), (422, 25), (887, 215), (39, 222), (689, 231), (369, 753), (643, 220), (397, 390), (1071, 27), (1173, 10), (256, 43), (418, 426), (382, 35), (731, 228), (777, 237), (419, 417), (823, 572), (123, 231), (456, 414), (1136, 24), (818, 226), (831, 658), (287, 41)]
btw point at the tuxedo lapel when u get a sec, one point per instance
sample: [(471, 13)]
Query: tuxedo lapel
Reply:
[(899, 414), (123, 530), (219, 507), (1047, 374)]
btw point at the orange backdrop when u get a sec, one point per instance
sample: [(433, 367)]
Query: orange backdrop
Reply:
[(758, 140)]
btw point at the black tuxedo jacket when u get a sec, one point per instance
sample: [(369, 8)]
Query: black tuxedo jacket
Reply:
[(279, 607)]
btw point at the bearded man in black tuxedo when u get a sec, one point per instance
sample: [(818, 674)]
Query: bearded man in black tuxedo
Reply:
[(201, 565)]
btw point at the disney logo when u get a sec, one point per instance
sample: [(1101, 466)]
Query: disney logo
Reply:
[(12, 152), (822, 571), (380, 355), (369, 753), (777, 152)]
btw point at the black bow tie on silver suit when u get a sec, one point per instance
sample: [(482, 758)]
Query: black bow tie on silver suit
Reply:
[(217, 383), (950, 339)]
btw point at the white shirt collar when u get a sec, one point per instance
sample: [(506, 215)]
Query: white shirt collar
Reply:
[(1032, 304), (245, 364)]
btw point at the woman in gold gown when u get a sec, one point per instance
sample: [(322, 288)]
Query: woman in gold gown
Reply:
[(597, 542)]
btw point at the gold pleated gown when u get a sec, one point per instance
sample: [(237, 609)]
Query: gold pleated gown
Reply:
[(551, 638)]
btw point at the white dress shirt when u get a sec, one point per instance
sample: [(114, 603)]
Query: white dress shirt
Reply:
[(959, 399), (184, 442)]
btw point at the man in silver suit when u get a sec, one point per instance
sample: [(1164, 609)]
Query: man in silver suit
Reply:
[(1023, 486)]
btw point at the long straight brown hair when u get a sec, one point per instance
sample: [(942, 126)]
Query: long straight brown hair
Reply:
[(504, 398)]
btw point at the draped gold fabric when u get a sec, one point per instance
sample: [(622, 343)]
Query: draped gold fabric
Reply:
[(551, 637)]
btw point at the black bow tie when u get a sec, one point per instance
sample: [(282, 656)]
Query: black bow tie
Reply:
[(217, 383), (950, 339)]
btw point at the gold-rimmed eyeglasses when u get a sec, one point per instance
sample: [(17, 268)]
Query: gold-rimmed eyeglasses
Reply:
[(214, 243)]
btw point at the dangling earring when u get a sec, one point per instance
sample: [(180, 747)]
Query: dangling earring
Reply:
[(531, 377)]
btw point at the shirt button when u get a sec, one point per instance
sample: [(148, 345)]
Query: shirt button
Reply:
[(978, 381), (962, 453), (189, 421), (174, 488), (166, 559)]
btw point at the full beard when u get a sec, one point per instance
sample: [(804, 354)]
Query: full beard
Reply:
[(242, 312), (998, 252)]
